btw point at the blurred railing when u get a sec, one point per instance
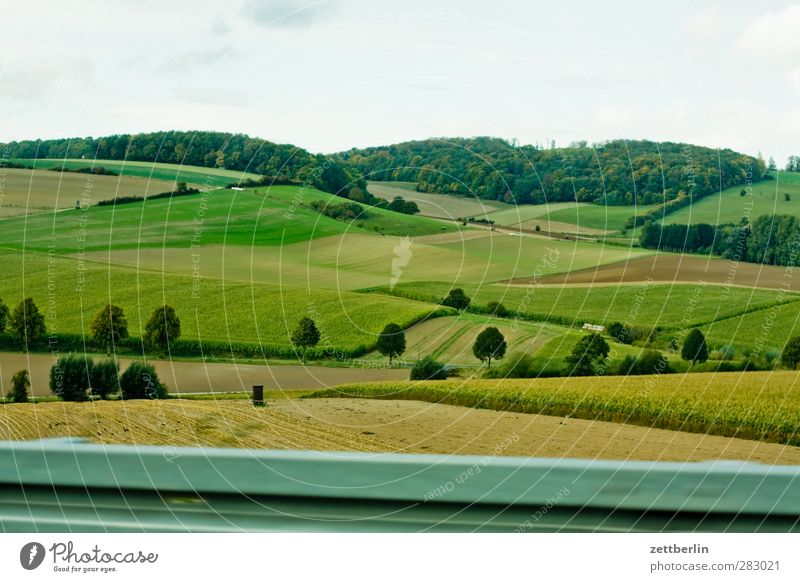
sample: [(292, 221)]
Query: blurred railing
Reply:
[(65, 485)]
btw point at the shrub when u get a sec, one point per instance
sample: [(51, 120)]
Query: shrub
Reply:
[(648, 362), (70, 377), (694, 347), (588, 356), (456, 299), (105, 378), (791, 353), (20, 383), (162, 328), (27, 322), (4, 315), (141, 381), (497, 309), (109, 326), (428, 369)]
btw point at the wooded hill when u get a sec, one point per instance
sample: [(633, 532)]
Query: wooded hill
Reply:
[(282, 162), (616, 172)]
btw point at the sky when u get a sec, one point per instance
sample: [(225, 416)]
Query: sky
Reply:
[(334, 74)]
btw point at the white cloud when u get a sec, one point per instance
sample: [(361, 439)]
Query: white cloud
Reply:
[(290, 13), (774, 35)]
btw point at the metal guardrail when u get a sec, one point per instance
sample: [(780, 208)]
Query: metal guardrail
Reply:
[(65, 485)]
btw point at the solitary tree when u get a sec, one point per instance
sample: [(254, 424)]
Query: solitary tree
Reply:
[(163, 327), (489, 344), (105, 378), (69, 377), (694, 347), (109, 327), (392, 341), (140, 381), (306, 335), (4, 314), (456, 299), (27, 322), (20, 382), (790, 356), (588, 355)]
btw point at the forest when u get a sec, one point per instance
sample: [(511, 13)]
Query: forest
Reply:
[(284, 163), (619, 172), (769, 239)]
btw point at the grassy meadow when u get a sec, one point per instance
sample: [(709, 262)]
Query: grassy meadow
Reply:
[(31, 191), (729, 206), (70, 292), (194, 175)]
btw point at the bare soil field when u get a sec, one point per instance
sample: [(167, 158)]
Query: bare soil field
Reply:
[(678, 269), (214, 423), (412, 426), (199, 377)]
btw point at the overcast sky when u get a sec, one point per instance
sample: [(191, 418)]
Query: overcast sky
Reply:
[(329, 75)]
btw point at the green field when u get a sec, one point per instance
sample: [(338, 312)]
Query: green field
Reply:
[(437, 205), (593, 216), (665, 305), (729, 206), (755, 405), (196, 175), (70, 292), (450, 339), (245, 218)]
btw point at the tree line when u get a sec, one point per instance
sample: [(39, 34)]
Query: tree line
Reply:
[(769, 239), (211, 149), (618, 172)]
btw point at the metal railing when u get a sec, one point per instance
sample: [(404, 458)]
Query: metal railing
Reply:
[(68, 485)]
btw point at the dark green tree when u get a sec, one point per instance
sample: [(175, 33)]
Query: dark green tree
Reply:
[(694, 347), (162, 328), (20, 382), (392, 341), (305, 335), (4, 315), (109, 326), (456, 299), (140, 381), (790, 356), (27, 322), (497, 309), (104, 378), (489, 344), (588, 355), (70, 377), (428, 369)]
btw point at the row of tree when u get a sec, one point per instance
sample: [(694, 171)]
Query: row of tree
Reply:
[(769, 239), (616, 172), (203, 148)]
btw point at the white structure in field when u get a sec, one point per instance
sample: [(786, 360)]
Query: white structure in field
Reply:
[(592, 327)]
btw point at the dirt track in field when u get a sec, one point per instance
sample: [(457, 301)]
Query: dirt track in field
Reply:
[(200, 377), (411, 426), (678, 269)]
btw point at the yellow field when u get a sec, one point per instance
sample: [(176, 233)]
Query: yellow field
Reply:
[(754, 405)]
